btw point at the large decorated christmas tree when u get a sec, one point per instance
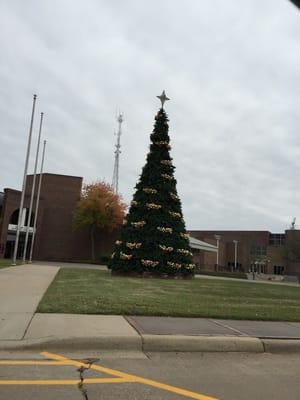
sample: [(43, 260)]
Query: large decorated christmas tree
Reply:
[(153, 239)]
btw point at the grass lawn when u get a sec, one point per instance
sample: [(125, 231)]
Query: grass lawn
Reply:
[(4, 263), (82, 291)]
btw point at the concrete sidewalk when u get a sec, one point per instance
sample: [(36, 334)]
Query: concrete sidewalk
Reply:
[(21, 289), (149, 334)]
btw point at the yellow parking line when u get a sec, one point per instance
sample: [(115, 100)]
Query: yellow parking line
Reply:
[(64, 381), (33, 362), (132, 378)]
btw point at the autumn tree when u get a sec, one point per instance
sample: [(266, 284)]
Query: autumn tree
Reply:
[(99, 208)]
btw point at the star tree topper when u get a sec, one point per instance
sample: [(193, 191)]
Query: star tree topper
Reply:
[(163, 98)]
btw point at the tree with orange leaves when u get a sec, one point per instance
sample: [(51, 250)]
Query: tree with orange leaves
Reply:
[(99, 208)]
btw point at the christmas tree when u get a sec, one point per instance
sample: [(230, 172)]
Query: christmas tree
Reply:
[(153, 238)]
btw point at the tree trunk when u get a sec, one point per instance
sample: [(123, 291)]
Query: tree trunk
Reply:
[(93, 242)]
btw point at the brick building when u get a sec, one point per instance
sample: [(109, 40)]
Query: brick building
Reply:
[(55, 238), (263, 251)]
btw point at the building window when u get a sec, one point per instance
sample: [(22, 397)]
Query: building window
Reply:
[(278, 270), (258, 250), (276, 239)]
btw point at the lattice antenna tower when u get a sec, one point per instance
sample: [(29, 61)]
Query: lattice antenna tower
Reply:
[(115, 180)]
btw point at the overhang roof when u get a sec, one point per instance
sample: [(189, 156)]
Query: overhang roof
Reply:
[(200, 245)]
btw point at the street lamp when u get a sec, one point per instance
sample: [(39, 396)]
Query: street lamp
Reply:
[(235, 254), (218, 238)]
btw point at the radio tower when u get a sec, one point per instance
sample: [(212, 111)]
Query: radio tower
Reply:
[(115, 180)]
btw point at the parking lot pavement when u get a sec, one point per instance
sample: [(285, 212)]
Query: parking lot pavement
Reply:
[(153, 376)]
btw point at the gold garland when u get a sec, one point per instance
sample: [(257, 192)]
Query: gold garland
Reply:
[(163, 143), (189, 266), (185, 252), (153, 206), (118, 242), (165, 248), (138, 224), (174, 196), (184, 235), (150, 190), (166, 162), (133, 245), (164, 230), (167, 177), (134, 203), (174, 265), (149, 263), (125, 256), (175, 214), (113, 254)]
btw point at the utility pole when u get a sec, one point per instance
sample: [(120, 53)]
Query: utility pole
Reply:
[(115, 180), (14, 260)]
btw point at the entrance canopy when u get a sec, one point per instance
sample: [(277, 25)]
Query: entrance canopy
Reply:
[(200, 245)]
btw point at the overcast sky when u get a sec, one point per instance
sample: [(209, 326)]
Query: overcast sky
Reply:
[(231, 69)]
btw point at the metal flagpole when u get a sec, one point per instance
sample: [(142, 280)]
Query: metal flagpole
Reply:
[(24, 184), (37, 203), (33, 189)]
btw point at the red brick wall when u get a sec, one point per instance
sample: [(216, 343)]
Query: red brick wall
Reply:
[(55, 237)]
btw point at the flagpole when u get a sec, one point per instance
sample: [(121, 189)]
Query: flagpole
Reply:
[(32, 189), (37, 203), (24, 183)]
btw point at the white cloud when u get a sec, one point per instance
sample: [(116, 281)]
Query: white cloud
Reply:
[(231, 69)]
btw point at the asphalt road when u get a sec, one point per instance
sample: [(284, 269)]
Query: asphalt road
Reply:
[(230, 376)]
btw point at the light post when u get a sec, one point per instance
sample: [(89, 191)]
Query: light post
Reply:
[(235, 254), (218, 238)]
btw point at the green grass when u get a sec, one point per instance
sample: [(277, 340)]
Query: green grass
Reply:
[(236, 275), (4, 263), (82, 291)]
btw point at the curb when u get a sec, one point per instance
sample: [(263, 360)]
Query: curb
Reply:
[(158, 343), (281, 345), (101, 343), (164, 343)]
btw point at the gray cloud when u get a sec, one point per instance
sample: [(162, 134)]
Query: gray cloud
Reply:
[(231, 69)]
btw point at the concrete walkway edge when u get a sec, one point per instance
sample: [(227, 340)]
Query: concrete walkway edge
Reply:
[(158, 343)]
